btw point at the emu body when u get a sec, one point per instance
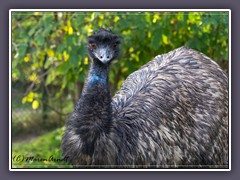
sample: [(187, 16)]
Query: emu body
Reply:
[(172, 112)]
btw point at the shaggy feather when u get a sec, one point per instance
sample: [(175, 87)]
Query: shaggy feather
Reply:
[(172, 112)]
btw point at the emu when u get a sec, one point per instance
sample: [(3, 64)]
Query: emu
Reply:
[(172, 112)]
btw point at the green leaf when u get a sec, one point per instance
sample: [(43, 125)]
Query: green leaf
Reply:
[(64, 84), (71, 85), (32, 31), (39, 40), (156, 40), (47, 30), (64, 67), (60, 48), (48, 21), (51, 77), (73, 59), (22, 51)]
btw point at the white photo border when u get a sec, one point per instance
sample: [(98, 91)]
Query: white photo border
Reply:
[(115, 10)]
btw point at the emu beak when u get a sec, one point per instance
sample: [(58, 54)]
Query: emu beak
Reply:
[(104, 55)]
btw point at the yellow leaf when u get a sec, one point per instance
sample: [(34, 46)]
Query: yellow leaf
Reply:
[(50, 52), (125, 69), (85, 61), (65, 28), (33, 77), (131, 49), (126, 32), (68, 23), (27, 58), (101, 17), (30, 97), (70, 30), (35, 104), (155, 18), (149, 34), (165, 39), (116, 19), (65, 56), (100, 22), (58, 95), (89, 29), (120, 83), (46, 162), (24, 100), (14, 75), (92, 16), (37, 13)]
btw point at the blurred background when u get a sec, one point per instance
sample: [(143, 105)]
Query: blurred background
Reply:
[(50, 63)]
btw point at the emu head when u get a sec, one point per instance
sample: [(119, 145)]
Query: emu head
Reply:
[(103, 46)]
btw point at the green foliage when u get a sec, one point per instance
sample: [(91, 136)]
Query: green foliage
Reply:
[(61, 38), (45, 150)]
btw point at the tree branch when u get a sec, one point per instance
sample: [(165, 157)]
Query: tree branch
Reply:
[(55, 110)]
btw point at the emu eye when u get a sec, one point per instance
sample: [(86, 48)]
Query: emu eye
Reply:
[(115, 45), (93, 46)]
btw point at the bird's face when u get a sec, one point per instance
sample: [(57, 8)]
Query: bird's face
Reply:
[(103, 46)]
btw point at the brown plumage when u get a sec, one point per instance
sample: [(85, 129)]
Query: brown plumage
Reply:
[(172, 112)]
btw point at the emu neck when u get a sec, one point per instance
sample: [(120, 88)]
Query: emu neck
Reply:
[(98, 76), (94, 107)]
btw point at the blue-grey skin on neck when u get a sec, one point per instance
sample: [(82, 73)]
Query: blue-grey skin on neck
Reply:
[(98, 75), (95, 79)]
